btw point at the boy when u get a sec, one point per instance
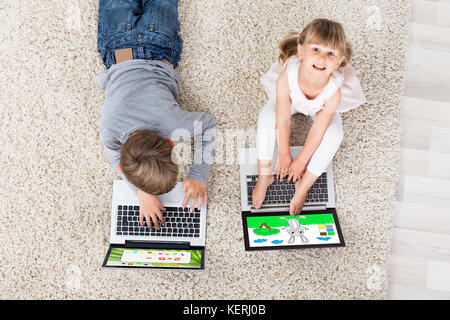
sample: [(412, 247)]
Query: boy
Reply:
[(139, 44)]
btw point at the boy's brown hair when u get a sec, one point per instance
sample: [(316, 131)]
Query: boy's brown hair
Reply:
[(146, 161), (321, 31)]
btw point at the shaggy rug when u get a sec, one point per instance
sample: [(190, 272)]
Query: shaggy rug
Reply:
[(56, 183)]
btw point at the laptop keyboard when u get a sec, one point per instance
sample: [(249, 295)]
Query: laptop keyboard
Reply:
[(280, 193), (179, 222)]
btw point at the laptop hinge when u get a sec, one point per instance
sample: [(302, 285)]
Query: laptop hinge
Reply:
[(286, 209), (271, 209), (157, 244), (314, 207)]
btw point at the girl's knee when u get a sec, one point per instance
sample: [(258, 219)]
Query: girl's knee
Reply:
[(335, 137), (335, 130)]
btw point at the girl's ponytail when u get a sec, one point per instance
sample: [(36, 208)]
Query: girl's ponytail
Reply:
[(288, 47), (348, 54)]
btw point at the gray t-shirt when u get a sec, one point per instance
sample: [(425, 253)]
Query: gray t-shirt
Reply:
[(143, 94)]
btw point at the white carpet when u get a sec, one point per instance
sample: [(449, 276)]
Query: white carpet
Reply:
[(56, 183)]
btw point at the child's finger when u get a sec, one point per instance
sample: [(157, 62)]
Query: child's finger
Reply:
[(283, 174), (149, 222), (198, 203), (161, 207), (193, 200), (141, 219), (155, 221), (160, 216), (186, 198), (290, 177)]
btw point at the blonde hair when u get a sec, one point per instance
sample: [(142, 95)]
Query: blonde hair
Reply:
[(146, 162), (321, 31)]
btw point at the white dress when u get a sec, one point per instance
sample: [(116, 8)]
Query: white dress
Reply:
[(344, 78)]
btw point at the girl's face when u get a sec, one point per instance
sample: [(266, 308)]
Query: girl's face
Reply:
[(318, 59)]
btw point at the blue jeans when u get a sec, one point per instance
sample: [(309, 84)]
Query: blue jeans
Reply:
[(149, 27)]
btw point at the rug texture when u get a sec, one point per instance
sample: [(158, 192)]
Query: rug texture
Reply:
[(56, 182)]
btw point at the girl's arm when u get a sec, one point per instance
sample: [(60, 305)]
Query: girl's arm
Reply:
[(283, 113), (318, 128), (283, 125)]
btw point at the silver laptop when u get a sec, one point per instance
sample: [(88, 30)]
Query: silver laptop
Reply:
[(279, 194), (179, 244), (271, 226)]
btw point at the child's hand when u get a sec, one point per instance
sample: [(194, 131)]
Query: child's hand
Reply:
[(296, 170), (150, 208), (195, 190), (284, 160)]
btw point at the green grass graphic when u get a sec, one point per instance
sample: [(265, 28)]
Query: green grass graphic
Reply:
[(265, 232), (276, 222)]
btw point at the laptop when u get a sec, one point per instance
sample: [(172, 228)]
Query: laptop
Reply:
[(272, 227), (180, 244)]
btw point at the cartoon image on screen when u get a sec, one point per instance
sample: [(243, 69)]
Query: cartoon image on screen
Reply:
[(287, 230)]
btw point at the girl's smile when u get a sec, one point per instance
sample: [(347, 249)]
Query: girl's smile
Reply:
[(319, 68)]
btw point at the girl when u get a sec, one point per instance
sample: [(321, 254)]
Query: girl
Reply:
[(310, 78)]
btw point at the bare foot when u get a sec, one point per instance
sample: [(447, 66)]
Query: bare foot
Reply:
[(259, 193), (298, 199)]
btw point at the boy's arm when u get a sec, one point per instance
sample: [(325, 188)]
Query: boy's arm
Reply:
[(318, 128), (201, 127)]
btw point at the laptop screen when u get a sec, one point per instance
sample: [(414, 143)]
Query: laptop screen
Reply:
[(319, 228), (154, 258)]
